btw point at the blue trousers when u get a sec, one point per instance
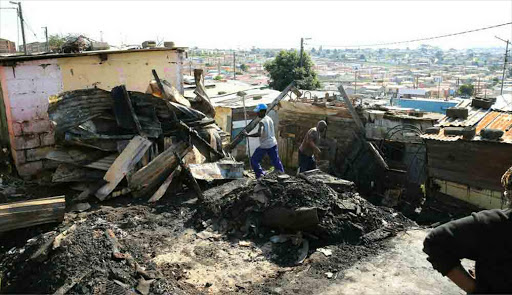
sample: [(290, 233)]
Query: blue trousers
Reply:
[(274, 158)]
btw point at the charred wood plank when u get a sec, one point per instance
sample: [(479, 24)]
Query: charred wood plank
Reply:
[(126, 160), (190, 178), (33, 212), (361, 134), (123, 110), (163, 188), (151, 176), (72, 173)]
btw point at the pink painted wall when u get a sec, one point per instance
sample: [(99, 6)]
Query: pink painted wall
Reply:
[(26, 89)]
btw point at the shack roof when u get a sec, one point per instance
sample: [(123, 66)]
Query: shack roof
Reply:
[(498, 116), (253, 97), (8, 60)]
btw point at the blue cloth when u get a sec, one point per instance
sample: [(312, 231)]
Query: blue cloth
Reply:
[(274, 158), (306, 163)]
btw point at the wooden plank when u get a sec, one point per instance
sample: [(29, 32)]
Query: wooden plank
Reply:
[(90, 159), (199, 141), (239, 137), (151, 176), (192, 181), (32, 212), (126, 160), (163, 188), (361, 134), (72, 173), (173, 94)]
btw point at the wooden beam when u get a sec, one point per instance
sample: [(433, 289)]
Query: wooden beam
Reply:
[(151, 176), (126, 160), (32, 212), (192, 181), (362, 131), (199, 141), (239, 137)]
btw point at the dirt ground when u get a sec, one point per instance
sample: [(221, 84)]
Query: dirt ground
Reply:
[(175, 252)]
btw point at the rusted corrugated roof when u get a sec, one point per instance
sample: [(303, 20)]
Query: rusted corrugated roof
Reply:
[(474, 116), (490, 119)]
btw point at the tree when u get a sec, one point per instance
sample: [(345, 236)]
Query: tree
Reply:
[(55, 42), (244, 67), (217, 78), (285, 68), (466, 90)]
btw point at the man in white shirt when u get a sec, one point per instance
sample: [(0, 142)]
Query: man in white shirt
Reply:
[(268, 142)]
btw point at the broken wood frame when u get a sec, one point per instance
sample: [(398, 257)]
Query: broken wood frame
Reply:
[(240, 136), (361, 134)]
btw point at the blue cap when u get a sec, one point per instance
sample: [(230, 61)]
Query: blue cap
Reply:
[(260, 107)]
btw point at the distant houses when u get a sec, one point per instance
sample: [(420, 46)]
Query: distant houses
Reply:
[(7, 46)]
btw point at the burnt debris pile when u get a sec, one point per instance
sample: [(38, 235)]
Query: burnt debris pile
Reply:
[(316, 204), (102, 252)]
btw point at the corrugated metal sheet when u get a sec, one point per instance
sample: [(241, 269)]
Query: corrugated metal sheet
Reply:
[(490, 119), (474, 116)]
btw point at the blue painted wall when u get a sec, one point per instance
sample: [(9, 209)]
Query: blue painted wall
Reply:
[(434, 106)]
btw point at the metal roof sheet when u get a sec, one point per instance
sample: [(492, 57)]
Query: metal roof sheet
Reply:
[(474, 116), (491, 119)]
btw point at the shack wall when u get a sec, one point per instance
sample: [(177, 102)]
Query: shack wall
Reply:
[(483, 198), (27, 86), (477, 164), (296, 118)]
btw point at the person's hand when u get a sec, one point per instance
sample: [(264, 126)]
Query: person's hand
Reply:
[(244, 133)]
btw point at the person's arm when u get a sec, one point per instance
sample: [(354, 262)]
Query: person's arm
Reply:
[(257, 134), (447, 244), (462, 278)]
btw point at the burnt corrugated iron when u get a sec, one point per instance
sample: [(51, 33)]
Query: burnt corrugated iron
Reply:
[(490, 120)]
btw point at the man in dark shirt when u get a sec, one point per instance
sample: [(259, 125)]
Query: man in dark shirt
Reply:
[(483, 237)]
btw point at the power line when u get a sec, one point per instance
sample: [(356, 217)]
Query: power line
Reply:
[(421, 39), (25, 21)]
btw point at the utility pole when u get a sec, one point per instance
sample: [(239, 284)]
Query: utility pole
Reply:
[(46, 35), (190, 67), (234, 66), (20, 15), (504, 63), (355, 81), (301, 50)]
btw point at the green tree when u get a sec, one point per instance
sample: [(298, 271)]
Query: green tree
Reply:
[(244, 67), (55, 42), (466, 90), (217, 78), (285, 68)]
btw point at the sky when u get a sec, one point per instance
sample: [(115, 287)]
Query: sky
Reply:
[(265, 24)]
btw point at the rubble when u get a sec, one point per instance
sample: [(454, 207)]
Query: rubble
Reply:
[(299, 204)]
